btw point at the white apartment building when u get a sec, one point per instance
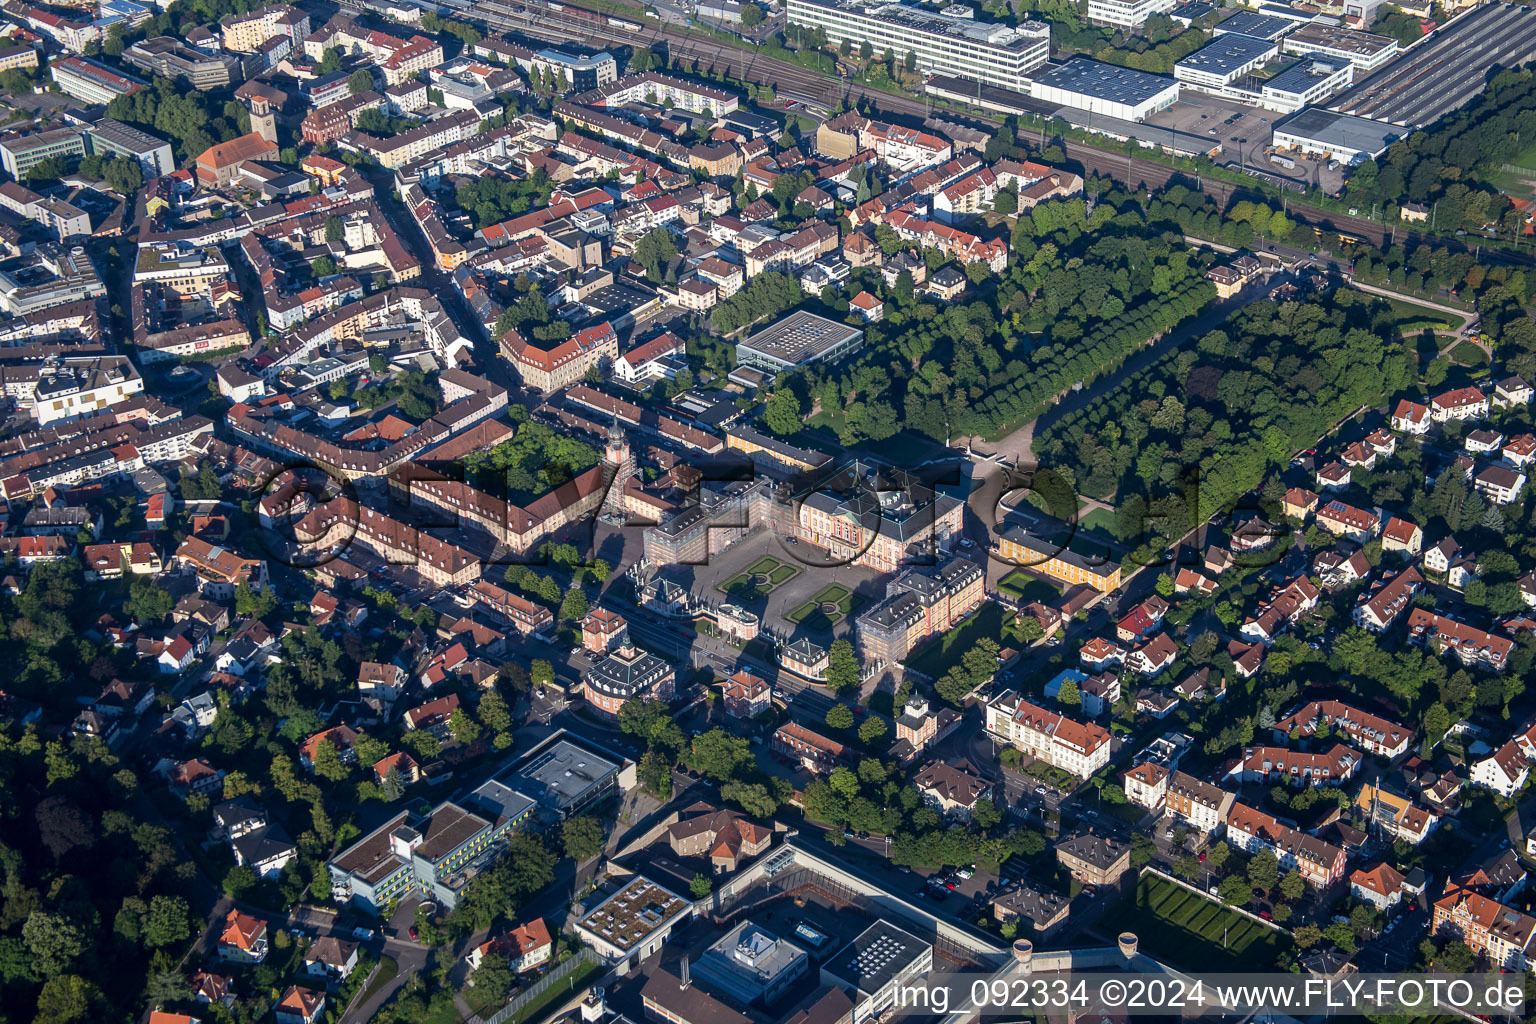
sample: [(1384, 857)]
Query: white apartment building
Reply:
[(1126, 13), (1001, 55), (65, 389), (1076, 747), (186, 270)]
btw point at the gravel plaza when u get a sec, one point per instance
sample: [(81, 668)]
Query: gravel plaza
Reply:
[(812, 600)]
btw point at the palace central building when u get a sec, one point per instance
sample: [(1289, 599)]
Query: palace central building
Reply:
[(1001, 55)]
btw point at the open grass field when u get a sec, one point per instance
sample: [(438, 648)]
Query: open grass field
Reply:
[(1098, 524), (1412, 318), (1023, 587), (1197, 932), (1468, 354), (934, 657), (826, 608), (758, 579)]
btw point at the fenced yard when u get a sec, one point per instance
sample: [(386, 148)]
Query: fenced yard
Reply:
[(1195, 931)]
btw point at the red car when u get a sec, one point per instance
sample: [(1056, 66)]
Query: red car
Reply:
[(413, 932), (1202, 858), (1266, 915)]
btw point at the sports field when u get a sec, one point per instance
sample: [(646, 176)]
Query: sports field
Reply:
[(1194, 931)]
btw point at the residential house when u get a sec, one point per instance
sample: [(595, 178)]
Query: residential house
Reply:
[(1080, 748), (1043, 912), (747, 695), (1511, 391), (952, 789), (815, 752), (1197, 803), (1092, 859), (1499, 484), (1298, 503), (1153, 656), (722, 836), (244, 938), (1473, 647), (1381, 885), (1335, 476), (1481, 442), (1410, 417), (1381, 607), (1333, 767), (330, 958), (1344, 520), (1371, 733), (526, 947), (1320, 863), (1458, 404), (1503, 934), (342, 737), (1401, 535), (300, 1005), (1146, 785)]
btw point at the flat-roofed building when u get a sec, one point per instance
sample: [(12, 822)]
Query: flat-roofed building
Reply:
[(90, 82), (1126, 13), (1257, 25), (1224, 60), (1309, 81), (634, 922), (170, 57), (1365, 50), (751, 965), (1106, 89), (993, 53), (113, 137), (1342, 137), (565, 776), (798, 340), (877, 963), (436, 854), (20, 153)]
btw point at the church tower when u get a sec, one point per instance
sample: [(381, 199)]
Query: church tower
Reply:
[(263, 121), (616, 453)]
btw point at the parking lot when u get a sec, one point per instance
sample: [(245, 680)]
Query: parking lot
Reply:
[(1245, 134)]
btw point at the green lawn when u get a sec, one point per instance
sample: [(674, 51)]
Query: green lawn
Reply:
[(555, 994), (814, 614), (934, 657), (744, 586), (1023, 587), (385, 974), (1468, 354), (1193, 931), (1413, 318), (1100, 524)]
